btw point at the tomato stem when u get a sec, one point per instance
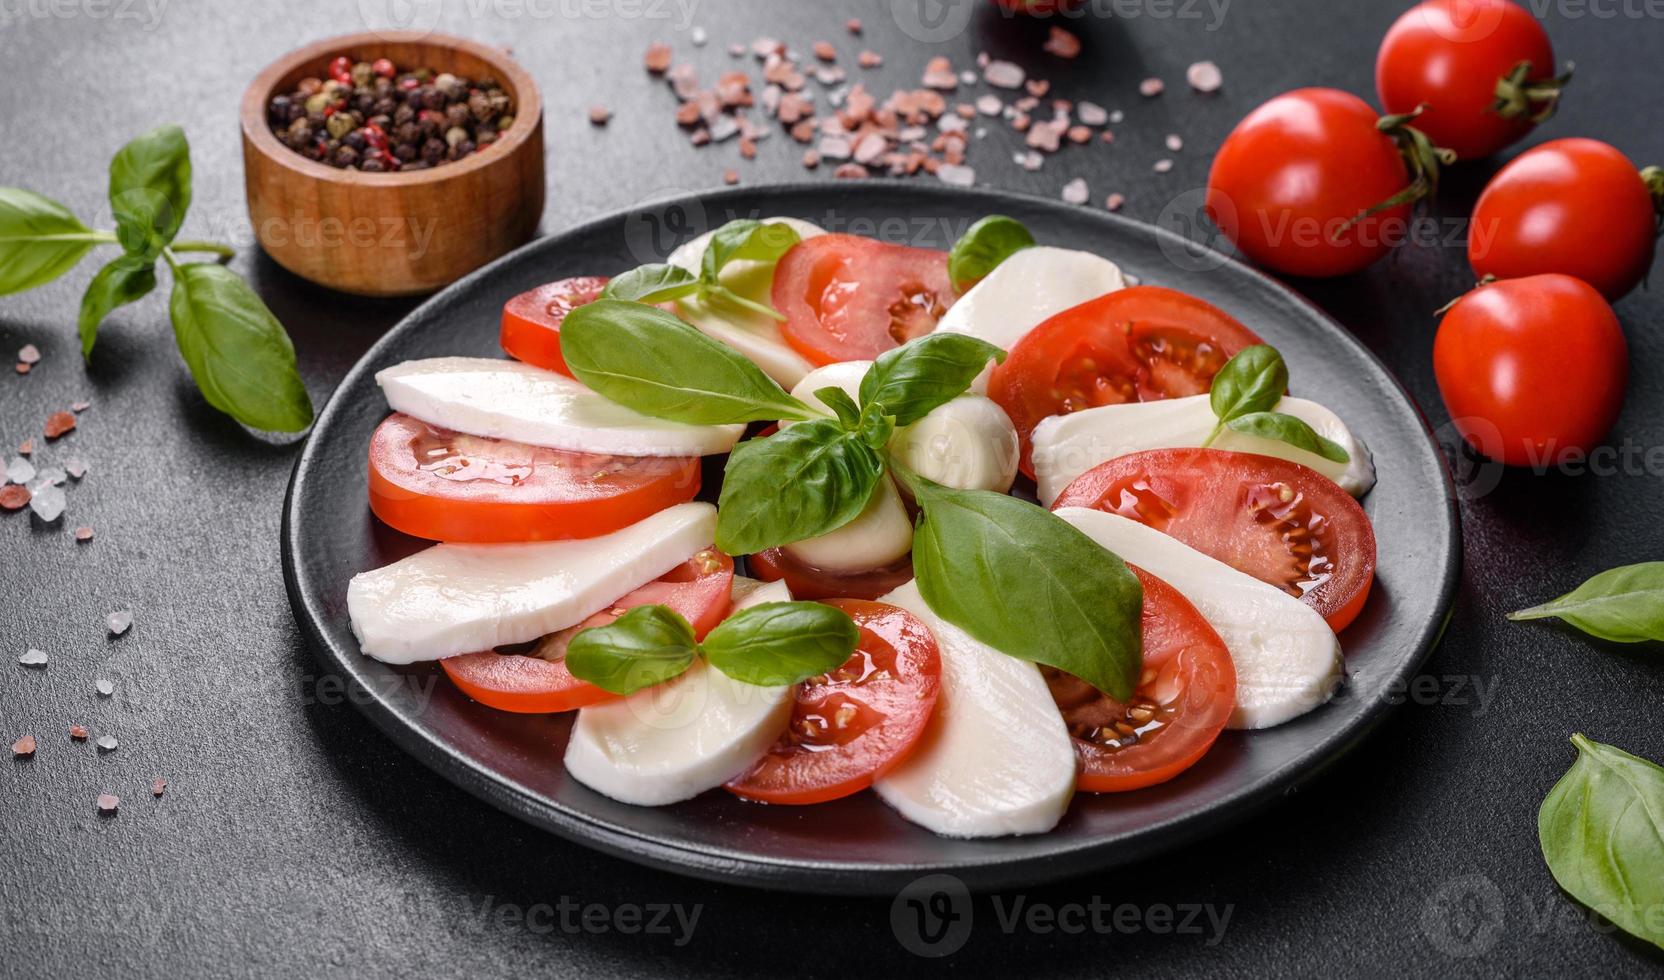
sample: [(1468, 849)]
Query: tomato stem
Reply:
[(1517, 97), (1653, 177), (1421, 158)]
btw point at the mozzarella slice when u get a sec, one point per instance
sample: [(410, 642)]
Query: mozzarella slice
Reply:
[(673, 741), (844, 374), (751, 333), (1287, 659), (459, 598), (483, 396), (969, 443), (1065, 446), (880, 535), (996, 758), (1027, 289)]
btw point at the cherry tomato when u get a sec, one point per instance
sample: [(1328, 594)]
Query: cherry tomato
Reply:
[(855, 724), (531, 320), (538, 682), (1181, 705), (1139, 344), (437, 484), (812, 583), (1291, 180), (1532, 370), (1575, 206), (1450, 55), (848, 298), (1282, 523)]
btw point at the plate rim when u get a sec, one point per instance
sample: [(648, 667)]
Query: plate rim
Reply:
[(847, 877)]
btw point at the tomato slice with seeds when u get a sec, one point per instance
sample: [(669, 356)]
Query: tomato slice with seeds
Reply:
[(536, 680), (855, 724), (445, 486), (531, 320), (1182, 703), (1139, 344), (848, 298), (1282, 523), (810, 582)]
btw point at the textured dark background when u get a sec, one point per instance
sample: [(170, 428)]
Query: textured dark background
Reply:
[(294, 838)]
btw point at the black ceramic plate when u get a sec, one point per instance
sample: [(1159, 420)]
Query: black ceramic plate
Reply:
[(858, 845)]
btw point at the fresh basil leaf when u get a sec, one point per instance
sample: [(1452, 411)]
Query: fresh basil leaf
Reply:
[(983, 246), (874, 427), (1623, 604), (801, 482), (643, 358), (647, 645), (748, 240), (1252, 381), (925, 373), (40, 240), (1286, 428), (150, 190), (1025, 582), (1602, 833), (122, 281), (777, 643), (236, 350), (841, 404), (655, 283)]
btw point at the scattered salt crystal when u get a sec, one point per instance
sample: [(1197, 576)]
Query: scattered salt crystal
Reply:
[(698, 36), (28, 354), (952, 124), (736, 50), (834, 148), (1030, 160), (1003, 74), (19, 470), (1075, 192), (967, 77), (599, 114), (939, 74), (1114, 202), (871, 147), (956, 174), (657, 58), (105, 688), (78, 732), (1045, 136), (851, 171), (1175, 142), (75, 467), (853, 25), (1079, 134), (989, 105), (1092, 114), (730, 177), (869, 59), (48, 503), (48, 476), (1116, 116), (1061, 43), (106, 743), (107, 802), (1151, 86), (1162, 166), (33, 658), (119, 621), (24, 747), (1204, 76), (79, 407), (724, 128), (26, 447), (83, 533)]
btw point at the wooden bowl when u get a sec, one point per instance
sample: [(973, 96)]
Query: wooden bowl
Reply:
[(393, 234)]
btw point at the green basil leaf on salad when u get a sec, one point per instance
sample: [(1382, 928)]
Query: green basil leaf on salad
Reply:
[(985, 245), (841, 404), (1602, 833), (651, 284), (1252, 381), (781, 642), (752, 241), (121, 281), (236, 350), (1025, 582), (647, 645), (1624, 604), (1286, 428), (643, 358), (802, 482), (874, 427), (150, 190), (925, 373), (40, 240)]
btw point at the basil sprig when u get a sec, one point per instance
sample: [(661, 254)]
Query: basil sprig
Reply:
[(1244, 394), (985, 245), (773, 643), (237, 352), (926, 373), (1602, 834), (804, 481), (1623, 604), (745, 239)]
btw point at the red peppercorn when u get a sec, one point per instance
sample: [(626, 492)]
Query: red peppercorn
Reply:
[(341, 70), (409, 82), (383, 67), (375, 137)]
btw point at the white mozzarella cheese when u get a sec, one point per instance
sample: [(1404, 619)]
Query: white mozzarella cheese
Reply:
[(461, 598), (969, 443), (1287, 659), (751, 333), (483, 396), (673, 741), (880, 535), (996, 758), (1065, 446), (844, 374)]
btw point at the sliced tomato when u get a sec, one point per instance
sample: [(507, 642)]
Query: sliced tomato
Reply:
[(848, 298), (810, 582), (1278, 521), (446, 486), (531, 320), (855, 724), (1183, 700), (536, 681), (1134, 345)]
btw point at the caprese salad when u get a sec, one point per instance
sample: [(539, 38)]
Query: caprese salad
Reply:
[(906, 621)]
